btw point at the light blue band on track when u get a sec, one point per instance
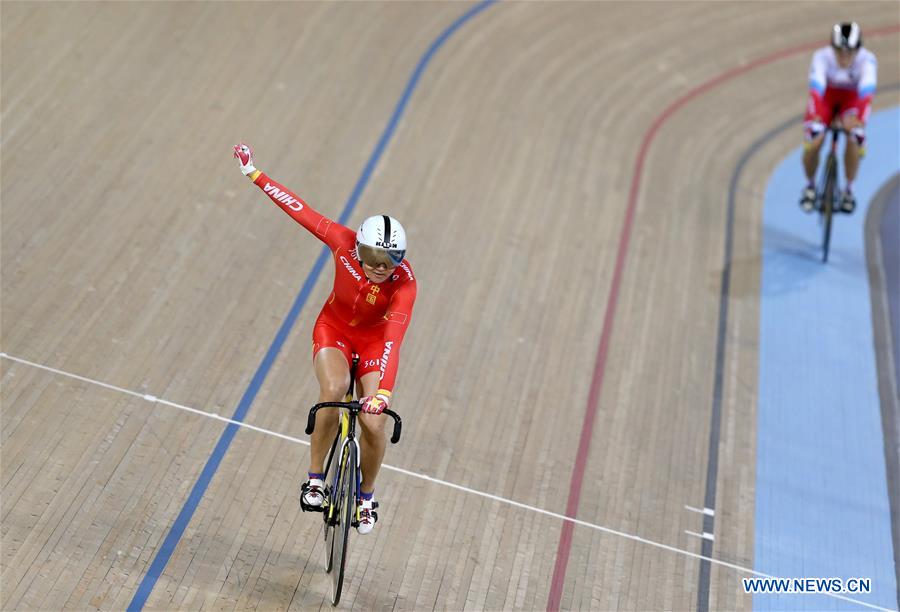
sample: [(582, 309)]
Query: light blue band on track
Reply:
[(822, 507)]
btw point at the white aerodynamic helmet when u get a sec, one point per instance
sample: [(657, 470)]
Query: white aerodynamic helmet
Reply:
[(381, 239), (846, 36)]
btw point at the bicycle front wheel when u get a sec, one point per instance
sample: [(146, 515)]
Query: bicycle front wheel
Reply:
[(329, 514), (346, 513)]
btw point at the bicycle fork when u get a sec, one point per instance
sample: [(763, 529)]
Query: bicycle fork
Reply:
[(340, 453)]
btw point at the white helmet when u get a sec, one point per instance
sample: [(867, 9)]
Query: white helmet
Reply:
[(381, 239), (846, 36)]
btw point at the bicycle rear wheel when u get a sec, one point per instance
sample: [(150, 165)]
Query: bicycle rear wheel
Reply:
[(346, 513), (828, 203)]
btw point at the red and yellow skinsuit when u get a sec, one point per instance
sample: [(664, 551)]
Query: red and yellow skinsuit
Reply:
[(360, 316)]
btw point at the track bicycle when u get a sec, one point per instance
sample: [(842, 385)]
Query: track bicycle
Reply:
[(340, 509), (828, 193)]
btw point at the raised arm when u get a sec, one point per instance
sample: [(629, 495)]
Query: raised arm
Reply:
[(319, 225)]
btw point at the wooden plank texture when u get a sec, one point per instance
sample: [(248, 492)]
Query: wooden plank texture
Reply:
[(135, 254)]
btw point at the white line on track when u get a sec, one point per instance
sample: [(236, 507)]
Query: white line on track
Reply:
[(706, 511), (496, 498)]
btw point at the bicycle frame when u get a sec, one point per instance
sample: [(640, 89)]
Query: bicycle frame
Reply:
[(829, 190), (346, 435), (831, 160)]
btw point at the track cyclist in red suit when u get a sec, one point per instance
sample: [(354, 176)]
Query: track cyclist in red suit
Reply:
[(842, 80), (367, 313)]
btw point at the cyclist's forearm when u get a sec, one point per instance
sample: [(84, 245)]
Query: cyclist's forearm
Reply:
[(816, 103), (864, 107), (293, 205), (390, 362), (393, 338)]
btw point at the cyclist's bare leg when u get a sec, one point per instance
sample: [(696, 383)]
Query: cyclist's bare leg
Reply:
[(853, 150), (333, 374), (371, 438), (851, 159), (811, 156)]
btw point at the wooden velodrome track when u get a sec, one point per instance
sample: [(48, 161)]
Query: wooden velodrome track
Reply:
[(135, 254)]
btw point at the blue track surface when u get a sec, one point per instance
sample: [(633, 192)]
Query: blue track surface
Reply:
[(821, 493)]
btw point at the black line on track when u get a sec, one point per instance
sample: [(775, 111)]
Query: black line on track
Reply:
[(712, 464)]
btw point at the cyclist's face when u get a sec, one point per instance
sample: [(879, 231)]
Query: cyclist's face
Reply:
[(377, 274), (845, 57)]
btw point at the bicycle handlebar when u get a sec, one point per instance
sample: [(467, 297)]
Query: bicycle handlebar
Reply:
[(355, 408)]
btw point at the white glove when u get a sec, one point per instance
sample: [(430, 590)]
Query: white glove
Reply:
[(244, 155)]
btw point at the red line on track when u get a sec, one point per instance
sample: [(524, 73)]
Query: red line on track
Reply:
[(587, 430)]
